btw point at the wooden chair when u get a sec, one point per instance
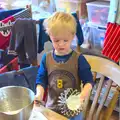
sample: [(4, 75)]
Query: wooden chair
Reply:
[(108, 69)]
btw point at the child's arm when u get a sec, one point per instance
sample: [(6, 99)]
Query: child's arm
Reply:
[(39, 94), (41, 80), (85, 75)]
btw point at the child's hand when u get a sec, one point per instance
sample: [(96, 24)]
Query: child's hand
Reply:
[(37, 99), (39, 95), (82, 99)]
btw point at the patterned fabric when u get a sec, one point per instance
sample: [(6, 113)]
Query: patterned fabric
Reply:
[(13, 65), (5, 34), (17, 13), (111, 47), (7, 13), (23, 14)]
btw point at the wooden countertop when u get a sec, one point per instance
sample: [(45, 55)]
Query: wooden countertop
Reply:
[(45, 114)]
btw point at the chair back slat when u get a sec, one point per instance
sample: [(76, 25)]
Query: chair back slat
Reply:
[(94, 75), (111, 106), (97, 116), (96, 97), (101, 91), (85, 108)]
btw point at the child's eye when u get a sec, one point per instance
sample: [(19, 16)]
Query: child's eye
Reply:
[(65, 40), (56, 41)]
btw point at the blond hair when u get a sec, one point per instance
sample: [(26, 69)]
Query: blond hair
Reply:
[(60, 22)]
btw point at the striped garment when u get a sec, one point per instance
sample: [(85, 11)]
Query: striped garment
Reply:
[(5, 33), (111, 47)]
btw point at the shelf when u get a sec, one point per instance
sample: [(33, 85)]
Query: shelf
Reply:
[(90, 24)]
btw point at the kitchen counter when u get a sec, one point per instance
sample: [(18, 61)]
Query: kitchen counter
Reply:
[(42, 113)]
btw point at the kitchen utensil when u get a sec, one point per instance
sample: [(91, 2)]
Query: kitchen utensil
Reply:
[(16, 103), (69, 102)]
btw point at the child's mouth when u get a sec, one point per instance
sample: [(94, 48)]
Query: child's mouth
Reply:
[(61, 49)]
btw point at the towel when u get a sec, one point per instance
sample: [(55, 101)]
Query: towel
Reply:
[(111, 47), (23, 41)]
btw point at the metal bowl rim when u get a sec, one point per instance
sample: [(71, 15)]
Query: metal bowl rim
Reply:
[(23, 88)]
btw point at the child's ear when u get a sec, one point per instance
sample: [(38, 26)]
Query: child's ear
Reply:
[(73, 35)]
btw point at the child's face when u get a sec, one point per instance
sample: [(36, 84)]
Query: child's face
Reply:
[(62, 42)]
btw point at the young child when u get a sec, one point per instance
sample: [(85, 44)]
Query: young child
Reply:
[(63, 67)]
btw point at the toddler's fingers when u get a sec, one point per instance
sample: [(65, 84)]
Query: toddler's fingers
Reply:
[(37, 102)]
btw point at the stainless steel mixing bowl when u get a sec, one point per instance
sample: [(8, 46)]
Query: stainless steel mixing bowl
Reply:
[(16, 103)]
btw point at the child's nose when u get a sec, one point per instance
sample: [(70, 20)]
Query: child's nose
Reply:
[(61, 43)]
